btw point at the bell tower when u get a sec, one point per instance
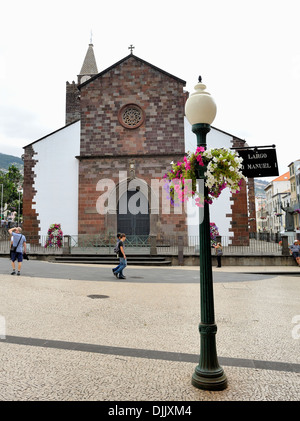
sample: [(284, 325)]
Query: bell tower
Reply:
[(88, 69)]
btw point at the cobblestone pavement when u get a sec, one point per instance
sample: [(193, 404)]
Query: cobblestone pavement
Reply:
[(76, 333)]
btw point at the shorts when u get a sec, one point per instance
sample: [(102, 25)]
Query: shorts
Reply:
[(14, 256)]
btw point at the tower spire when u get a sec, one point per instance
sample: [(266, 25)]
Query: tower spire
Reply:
[(89, 67)]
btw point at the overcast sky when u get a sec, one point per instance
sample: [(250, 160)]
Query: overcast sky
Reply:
[(247, 51)]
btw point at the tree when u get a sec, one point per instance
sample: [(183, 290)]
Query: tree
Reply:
[(11, 182)]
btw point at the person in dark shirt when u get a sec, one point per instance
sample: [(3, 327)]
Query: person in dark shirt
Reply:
[(117, 251), (123, 261)]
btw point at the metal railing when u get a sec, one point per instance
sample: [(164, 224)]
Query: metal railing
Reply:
[(33, 246), (254, 247), (250, 246), (104, 244), (161, 245)]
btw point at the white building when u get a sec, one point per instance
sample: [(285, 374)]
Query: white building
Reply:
[(294, 168), (277, 196)]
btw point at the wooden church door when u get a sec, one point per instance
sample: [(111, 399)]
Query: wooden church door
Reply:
[(133, 214)]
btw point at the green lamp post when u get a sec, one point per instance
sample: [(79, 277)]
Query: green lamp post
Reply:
[(200, 110)]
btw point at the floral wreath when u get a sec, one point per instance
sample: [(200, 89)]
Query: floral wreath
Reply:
[(223, 169), (55, 236)]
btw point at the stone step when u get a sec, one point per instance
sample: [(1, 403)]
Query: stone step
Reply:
[(111, 259)]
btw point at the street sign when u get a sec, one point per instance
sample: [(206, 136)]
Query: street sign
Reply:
[(258, 162)]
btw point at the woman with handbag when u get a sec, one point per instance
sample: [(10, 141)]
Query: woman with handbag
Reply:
[(18, 243), (219, 253)]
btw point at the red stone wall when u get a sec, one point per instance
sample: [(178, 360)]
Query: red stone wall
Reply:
[(239, 223), (160, 96), (30, 217), (93, 170), (243, 209)]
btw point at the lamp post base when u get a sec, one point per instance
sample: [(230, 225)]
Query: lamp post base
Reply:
[(211, 381), (209, 375)]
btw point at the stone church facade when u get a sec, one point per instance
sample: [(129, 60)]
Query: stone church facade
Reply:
[(131, 128), (131, 123), (124, 126)]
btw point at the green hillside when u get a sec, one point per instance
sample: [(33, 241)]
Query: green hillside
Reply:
[(7, 160)]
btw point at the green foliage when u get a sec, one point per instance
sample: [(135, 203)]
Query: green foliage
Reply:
[(12, 182)]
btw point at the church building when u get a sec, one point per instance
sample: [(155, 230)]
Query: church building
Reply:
[(102, 172)]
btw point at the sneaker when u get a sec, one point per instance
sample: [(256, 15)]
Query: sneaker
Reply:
[(116, 275), (122, 277), (18, 273), (13, 272)]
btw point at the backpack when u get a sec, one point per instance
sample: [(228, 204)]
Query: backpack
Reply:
[(116, 248)]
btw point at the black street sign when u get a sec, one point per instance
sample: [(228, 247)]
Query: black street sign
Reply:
[(259, 162)]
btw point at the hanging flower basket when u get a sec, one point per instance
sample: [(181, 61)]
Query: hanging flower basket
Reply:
[(223, 171), (214, 232), (55, 236)]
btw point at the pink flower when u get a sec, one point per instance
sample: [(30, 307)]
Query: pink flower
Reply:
[(187, 163), (200, 149), (199, 159)]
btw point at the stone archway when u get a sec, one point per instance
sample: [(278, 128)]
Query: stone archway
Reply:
[(127, 189)]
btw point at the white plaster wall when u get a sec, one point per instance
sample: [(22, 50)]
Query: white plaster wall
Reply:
[(56, 180), (221, 206)]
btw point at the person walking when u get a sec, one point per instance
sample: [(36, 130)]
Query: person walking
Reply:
[(219, 253), (123, 261), (18, 244), (116, 250), (295, 250)]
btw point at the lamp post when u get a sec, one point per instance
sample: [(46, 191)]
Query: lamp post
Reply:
[(200, 110), (19, 205)]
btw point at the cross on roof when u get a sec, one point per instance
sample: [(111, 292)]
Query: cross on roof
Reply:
[(131, 48)]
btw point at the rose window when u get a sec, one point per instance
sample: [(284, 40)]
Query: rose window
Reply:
[(131, 116)]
